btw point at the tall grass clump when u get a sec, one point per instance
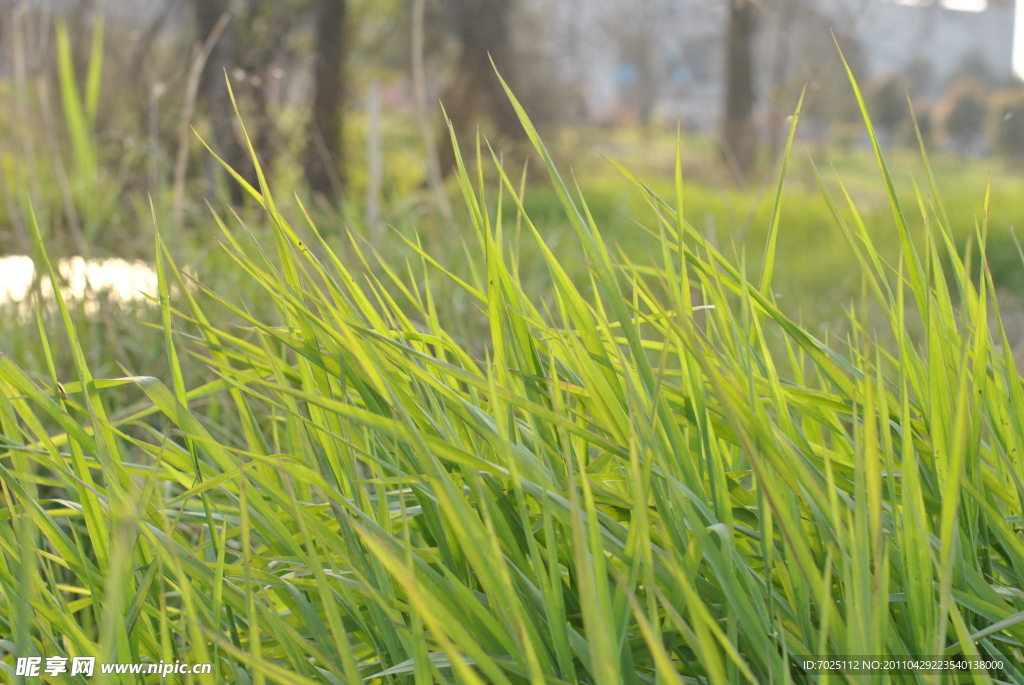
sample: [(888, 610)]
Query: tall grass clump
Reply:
[(660, 478)]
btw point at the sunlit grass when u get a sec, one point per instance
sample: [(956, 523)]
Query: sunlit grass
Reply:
[(660, 478)]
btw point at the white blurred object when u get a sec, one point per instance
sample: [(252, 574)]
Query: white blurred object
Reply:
[(965, 5), (1018, 40), (15, 278), (955, 5), (118, 279)]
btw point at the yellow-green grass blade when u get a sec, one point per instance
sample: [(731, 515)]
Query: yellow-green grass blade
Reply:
[(917, 276), (768, 265)]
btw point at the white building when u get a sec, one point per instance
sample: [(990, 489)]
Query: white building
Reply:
[(611, 46), (944, 33)]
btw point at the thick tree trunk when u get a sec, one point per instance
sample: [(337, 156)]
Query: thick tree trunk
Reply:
[(740, 135), (325, 170), (214, 91), (475, 96)]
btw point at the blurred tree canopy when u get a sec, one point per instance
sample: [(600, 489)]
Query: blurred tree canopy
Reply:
[(889, 103), (965, 110)]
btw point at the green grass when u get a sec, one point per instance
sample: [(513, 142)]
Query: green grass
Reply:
[(817, 269), (652, 476)]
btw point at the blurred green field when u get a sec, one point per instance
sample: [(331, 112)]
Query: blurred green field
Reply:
[(816, 280), (815, 263)]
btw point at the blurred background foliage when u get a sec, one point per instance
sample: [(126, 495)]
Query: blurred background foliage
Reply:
[(340, 101)]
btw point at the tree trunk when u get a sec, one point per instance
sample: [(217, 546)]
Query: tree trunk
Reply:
[(475, 96), (739, 142), (780, 72), (213, 90), (419, 80), (325, 170)]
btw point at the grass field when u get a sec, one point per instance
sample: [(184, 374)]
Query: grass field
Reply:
[(576, 451)]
